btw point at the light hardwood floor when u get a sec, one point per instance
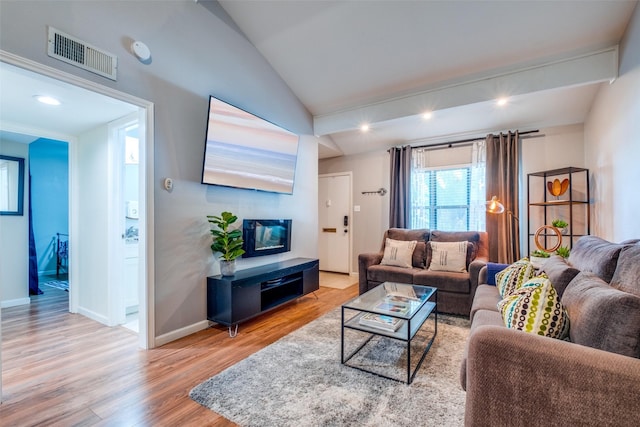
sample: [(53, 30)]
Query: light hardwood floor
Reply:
[(336, 280), (64, 369)]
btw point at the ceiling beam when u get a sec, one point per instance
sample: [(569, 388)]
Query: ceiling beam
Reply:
[(587, 68)]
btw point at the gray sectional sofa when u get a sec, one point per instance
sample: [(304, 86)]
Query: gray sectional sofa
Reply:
[(455, 289), (513, 378)]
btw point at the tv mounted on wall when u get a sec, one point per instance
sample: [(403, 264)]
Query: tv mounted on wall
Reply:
[(245, 151), (266, 236)]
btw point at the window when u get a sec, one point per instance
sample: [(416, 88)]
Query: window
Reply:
[(440, 199), (446, 197)]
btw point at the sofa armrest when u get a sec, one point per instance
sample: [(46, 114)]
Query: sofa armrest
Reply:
[(520, 379), (482, 276), (474, 273), (365, 261)]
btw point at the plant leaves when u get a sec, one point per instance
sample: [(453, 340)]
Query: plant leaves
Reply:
[(226, 242)]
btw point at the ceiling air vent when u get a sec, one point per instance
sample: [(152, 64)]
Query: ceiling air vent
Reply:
[(76, 52)]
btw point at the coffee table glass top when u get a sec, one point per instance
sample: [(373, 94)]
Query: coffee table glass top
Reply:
[(399, 300)]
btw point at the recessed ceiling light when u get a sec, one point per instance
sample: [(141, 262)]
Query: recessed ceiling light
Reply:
[(46, 100), (502, 101), (364, 127), (427, 115)]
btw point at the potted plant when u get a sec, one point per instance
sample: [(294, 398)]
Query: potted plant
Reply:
[(563, 251), (560, 225), (538, 257), (227, 242)]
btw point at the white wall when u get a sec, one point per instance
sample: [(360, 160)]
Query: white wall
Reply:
[(612, 141), (14, 240), (92, 242), (197, 51), (551, 148)]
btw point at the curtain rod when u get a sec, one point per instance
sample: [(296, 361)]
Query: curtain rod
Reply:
[(461, 141)]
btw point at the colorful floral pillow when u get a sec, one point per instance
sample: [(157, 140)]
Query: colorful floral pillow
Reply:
[(512, 277), (535, 307)]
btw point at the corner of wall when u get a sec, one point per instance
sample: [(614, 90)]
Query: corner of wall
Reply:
[(611, 144)]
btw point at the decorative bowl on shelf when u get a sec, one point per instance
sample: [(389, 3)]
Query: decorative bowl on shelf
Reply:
[(558, 188)]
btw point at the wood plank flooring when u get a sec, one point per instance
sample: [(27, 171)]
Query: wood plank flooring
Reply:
[(64, 369)]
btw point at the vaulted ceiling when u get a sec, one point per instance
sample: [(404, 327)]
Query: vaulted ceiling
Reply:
[(384, 63)]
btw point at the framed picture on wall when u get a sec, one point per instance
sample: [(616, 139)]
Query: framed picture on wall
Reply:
[(11, 185)]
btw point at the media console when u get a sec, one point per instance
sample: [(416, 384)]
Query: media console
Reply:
[(248, 293)]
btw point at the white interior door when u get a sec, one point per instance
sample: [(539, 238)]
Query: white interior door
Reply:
[(334, 220), (123, 283)]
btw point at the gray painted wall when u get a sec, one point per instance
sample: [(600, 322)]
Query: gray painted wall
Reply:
[(196, 52)]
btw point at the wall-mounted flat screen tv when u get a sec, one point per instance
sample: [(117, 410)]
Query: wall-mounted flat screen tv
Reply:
[(245, 151)]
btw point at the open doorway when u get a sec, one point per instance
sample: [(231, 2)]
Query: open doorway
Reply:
[(124, 143), (48, 190), (85, 253)]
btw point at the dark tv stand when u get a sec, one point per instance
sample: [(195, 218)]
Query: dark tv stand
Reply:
[(250, 292)]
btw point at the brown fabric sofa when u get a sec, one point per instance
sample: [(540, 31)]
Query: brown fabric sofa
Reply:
[(455, 289), (513, 378)]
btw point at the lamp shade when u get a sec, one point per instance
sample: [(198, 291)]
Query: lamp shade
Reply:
[(494, 206)]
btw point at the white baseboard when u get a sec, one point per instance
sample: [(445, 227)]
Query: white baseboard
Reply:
[(14, 302), (181, 333), (93, 316)]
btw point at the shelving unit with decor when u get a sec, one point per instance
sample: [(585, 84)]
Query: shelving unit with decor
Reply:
[(570, 205)]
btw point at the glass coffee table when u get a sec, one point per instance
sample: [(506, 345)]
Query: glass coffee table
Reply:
[(393, 310)]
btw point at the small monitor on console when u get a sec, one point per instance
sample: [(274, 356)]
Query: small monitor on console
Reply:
[(266, 236)]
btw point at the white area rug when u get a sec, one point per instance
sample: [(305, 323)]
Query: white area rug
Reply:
[(58, 284), (299, 381)]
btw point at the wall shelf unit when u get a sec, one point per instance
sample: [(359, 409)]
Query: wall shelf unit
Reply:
[(571, 206)]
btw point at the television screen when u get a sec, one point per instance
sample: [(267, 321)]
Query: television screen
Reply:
[(244, 151), (266, 236)]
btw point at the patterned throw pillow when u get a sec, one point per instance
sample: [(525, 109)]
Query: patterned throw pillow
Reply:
[(448, 256), (398, 253), (512, 277), (536, 308)]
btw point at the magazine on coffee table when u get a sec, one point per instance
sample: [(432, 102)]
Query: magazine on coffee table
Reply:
[(399, 299), (393, 307), (401, 291), (380, 321)]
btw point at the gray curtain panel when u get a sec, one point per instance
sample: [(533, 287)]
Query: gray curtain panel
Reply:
[(400, 192), (502, 181)]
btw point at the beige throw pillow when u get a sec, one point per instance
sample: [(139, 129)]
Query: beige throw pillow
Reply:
[(398, 252), (448, 256)]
